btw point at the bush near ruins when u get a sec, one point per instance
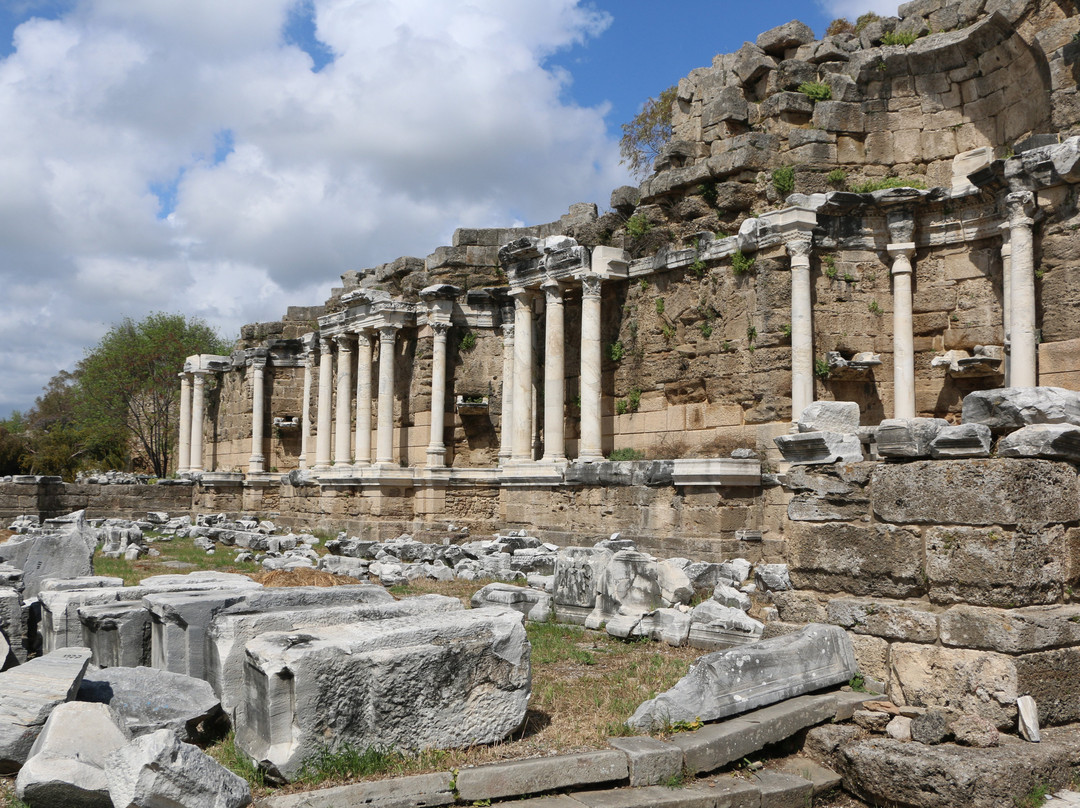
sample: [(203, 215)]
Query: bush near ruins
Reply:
[(647, 133)]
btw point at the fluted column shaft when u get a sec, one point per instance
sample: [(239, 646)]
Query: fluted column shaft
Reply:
[(257, 461), (198, 406), (554, 373), (305, 416), (591, 447), (1006, 300), (183, 461), (521, 446), (343, 412), (1023, 368), (802, 326), (436, 450), (507, 417), (363, 398), (326, 386), (903, 334), (384, 449)]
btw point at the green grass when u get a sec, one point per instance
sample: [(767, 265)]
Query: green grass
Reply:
[(904, 38), (228, 755), (1035, 798), (182, 550), (815, 90), (885, 182), (626, 454), (741, 263)]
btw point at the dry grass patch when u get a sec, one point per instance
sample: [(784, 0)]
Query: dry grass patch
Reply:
[(178, 557)]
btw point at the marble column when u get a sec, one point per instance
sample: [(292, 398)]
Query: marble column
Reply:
[(554, 373), (305, 412), (506, 429), (326, 386), (590, 447), (802, 325), (363, 398), (384, 448), (436, 450), (1023, 368), (903, 334), (343, 412), (257, 461), (521, 442), (198, 407), (1006, 300), (183, 462)]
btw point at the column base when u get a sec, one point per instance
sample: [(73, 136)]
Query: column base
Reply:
[(256, 465), (436, 457), (590, 458)]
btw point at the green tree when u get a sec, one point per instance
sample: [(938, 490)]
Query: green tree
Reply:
[(647, 133), (13, 448), (54, 441), (128, 391)]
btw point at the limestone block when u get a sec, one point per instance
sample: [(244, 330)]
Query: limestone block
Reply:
[(427, 681), (907, 437), (670, 626), (816, 448), (1052, 679), (961, 441), (890, 620), (67, 762), (532, 603), (715, 626), (994, 567), (651, 760), (12, 622), (790, 74), (66, 553), (1011, 631), (632, 583), (513, 778), (976, 492), (751, 63), (737, 680), (839, 116), (845, 482), (147, 699), (232, 628), (1050, 441), (28, 693), (576, 572), (179, 624), (772, 577), (841, 417), (117, 633), (731, 597), (977, 682), (735, 571), (1008, 409), (789, 35), (872, 655), (800, 607), (874, 560), (808, 508), (157, 770)]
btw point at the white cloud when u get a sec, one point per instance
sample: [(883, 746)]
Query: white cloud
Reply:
[(434, 114), (853, 8)]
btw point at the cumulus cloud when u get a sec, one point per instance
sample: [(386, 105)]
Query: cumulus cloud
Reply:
[(853, 8), (188, 155)]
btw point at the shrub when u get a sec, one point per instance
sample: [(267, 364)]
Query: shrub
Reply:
[(783, 180), (821, 368), (648, 132), (667, 330), (751, 334), (885, 182), (620, 407), (841, 25), (864, 20), (707, 191), (837, 177), (706, 329), (626, 454), (633, 400), (904, 38), (659, 305), (740, 263), (637, 226), (829, 266), (816, 91), (468, 341), (874, 307), (616, 351)]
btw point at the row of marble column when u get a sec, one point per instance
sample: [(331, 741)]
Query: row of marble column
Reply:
[(192, 414)]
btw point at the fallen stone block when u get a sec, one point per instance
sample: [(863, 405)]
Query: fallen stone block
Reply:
[(841, 417), (1050, 441), (671, 626), (818, 448), (232, 628), (651, 760), (631, 584), (714, 626), (534, 605), (64, 553), (1010, 408), (426, 790), (67, 762), (147, 699), (737, 680), (907, 437), (577, 570), (961, 441), (117, 634), (438, 680), (28, 694), (158, 770), (520, 777)]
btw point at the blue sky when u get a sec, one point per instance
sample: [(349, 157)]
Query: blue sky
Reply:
[(228, 158)]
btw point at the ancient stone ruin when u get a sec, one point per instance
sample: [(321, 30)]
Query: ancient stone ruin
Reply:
[(821, 367)]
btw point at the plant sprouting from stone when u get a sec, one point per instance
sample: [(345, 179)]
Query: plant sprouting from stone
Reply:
[(706, 329), (904, 38), (783, 180), (841, 25), (633, 400), (828, 263), (874, 307), (659, 305), (864, 20), (648, 133), (815, 90), (616, 351), (837, 177), (821, 368), (708, 192), (468, 341), (637, 226), (741, 263)]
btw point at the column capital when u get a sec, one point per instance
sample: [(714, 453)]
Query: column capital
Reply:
[(363, 338), (388, 333), (552, 286), (522, 295), (900, 223), (508, 332), (258, 362), (326, 343), (1021, 205), (344, 342), (903, 249), (800, 245), (199, 376), (590, 286), (440, 330)]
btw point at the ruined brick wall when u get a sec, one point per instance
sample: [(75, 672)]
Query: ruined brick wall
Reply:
[(48, 500)]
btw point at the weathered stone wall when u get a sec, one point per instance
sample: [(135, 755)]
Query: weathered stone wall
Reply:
[(47, 500)]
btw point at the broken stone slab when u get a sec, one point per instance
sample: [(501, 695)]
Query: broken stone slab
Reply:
[(158, 770), (117, 634), (66, 552), (1011, 408), (576, 572), (1050, 441), (28, 693), (818, 448), (737, 680), (651, 760), (731, 597), (426, 790), (147, 699), (233, 627), (533, 604), (1011, 631), (840, 417), (717, 745), (713, 626), (907, 437), (671, 626), (1005, 491), (772, 577), (735, 571), (521, 777), (1028, 713), (633, 583), (777, 40), (905, 621), (439, 680), (12, 623), (67, 762), (961, 441)]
